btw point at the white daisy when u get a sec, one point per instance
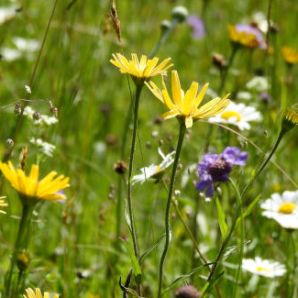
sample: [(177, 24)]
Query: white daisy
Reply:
[(258, 83), (153, 170), (283, 208), (25, 44), (237, 114), (266, 268), (10, 54), (45, 147), (6, 14)]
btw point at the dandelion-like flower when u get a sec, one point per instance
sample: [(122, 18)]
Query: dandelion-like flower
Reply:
[(214, 168), (266, 268), (30, 187), (187, 105), (247, 36), (30, 293), (239, 115), (283, 208), (154, 170), (290, 55), (290, 118), (142, 69), (2, 204)]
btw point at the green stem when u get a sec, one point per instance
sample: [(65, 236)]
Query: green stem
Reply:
[(226, 71), (168, 206), (21, 243), (242, 232), (139, 86), (264, 163), (163, 38)]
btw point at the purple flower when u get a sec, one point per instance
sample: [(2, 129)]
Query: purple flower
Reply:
[(252, 30), (215, 168), (197, 25)]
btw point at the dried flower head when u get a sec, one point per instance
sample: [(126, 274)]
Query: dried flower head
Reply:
[(187, 105), (142, 69)]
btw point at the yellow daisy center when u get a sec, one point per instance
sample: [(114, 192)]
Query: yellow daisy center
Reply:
[(262, 269), (287, 208), (231, 114)]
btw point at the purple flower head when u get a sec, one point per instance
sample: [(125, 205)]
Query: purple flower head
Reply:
[(265, 97), (197, 25), (252, 30), (215, 168)]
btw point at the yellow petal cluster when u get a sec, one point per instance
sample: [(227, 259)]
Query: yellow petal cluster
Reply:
[(144, 68), (243, 38), (31, 187), (290, 55), (2, 205), (187, 104), (38, 294)]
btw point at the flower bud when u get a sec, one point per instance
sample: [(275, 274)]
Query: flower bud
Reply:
[(165, 25), (180, 13), (23, 260), (188, 291)]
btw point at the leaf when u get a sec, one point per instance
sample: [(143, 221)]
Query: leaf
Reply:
[(134, 262), (221, 219)]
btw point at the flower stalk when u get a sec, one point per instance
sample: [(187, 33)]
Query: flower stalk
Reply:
[(168, 206), (21, 244), (139, 87)]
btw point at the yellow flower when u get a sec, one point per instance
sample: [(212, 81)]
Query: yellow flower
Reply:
[(2, 204), (143, 69), (37, 294), (289, 55), (29, 186), (186, 105), (246, 35)]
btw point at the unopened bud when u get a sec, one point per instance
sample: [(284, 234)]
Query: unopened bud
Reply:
[(219, 61), (188, 291), (165, 25), (23, 260), (10, 142), (180, 13), (120, 167), (36, 115)]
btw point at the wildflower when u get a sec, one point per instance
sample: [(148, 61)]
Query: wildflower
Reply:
[(179, 13), (258, 83), (2, 204), (237, 114), (187, 291), (215, 168), (153, 171), (26, 45), (9, 54), (261, 21), (197, 25), (290, 118), (38, 294), (266, 268), (246, 35), (283, 208), (142, 69), (39, 118), (244, 95), (7, 14), (46, 148), (30, 187), (186, 105), (290, 55)]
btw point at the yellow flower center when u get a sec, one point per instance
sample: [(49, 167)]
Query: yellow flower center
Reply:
[(262, 269), (231, 114), (287, 208)]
